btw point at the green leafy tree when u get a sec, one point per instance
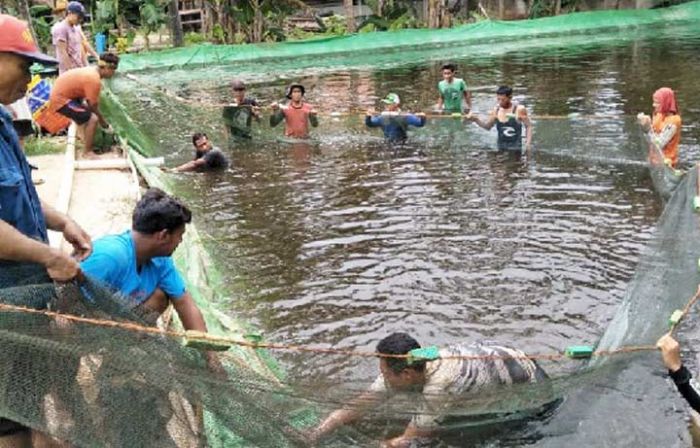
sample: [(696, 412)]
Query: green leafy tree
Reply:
[(152, 17)]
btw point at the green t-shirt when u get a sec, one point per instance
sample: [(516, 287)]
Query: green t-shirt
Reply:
[(452, 94)]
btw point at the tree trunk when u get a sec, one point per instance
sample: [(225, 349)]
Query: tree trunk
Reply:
[(349, 15), (437, 16), (501, 9), (257, 34), (176, 34), (557, 7)]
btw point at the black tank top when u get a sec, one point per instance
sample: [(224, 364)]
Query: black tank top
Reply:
[(510, 133)]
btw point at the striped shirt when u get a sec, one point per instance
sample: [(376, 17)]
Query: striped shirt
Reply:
[(446, 378)]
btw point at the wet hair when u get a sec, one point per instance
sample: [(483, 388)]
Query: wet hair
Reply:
[(197, 136), (399, 344), (158, 211), (110, 58), (504, 90), (449, 66)]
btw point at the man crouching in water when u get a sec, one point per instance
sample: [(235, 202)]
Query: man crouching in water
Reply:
[(436, 380)]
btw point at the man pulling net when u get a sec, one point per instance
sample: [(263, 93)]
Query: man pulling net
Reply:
[(436, 380)]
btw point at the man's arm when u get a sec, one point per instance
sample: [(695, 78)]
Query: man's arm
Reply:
[(373, 121), (192, 165), (18, 247), (277, 115), (417, 120), (189, 313), (313, 118), (671, 355), (95, 109), (468, 98), (62, 52), (255, 110), (486, 124), (405, 439), (86, 45), (72, 232), (525, 119), (192, 319), (440, 103), (341, 417)]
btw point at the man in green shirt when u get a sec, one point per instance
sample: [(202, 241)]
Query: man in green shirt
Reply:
[(452, 91)]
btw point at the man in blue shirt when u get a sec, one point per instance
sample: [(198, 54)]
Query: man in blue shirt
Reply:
[(393, 122), (25, 256), (138, 264)]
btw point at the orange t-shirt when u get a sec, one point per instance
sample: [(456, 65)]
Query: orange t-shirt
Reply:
[(77, 84), (297, 120), (671, 149)]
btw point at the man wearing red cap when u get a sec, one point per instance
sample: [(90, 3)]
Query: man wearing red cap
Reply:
[(24, 218)]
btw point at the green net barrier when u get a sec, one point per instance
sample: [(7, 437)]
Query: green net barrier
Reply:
[(493, 32), (97, 385), (666, 275)]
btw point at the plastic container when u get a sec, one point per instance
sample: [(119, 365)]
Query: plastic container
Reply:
[(100, 43)]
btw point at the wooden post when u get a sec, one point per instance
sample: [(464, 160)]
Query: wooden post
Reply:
[(349, 15)]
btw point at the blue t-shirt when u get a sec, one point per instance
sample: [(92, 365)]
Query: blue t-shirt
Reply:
[(113, 262), (19, 203), (394, 125)]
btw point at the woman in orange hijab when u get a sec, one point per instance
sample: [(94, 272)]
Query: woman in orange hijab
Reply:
[(664, 129)]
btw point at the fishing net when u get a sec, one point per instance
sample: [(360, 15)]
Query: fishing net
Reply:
[(107, 379)]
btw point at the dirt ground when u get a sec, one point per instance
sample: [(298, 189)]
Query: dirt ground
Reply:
[(101, 200)]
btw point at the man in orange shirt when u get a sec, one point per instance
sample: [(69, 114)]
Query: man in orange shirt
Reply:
[(664, 130), (76, 95), (297, 114)]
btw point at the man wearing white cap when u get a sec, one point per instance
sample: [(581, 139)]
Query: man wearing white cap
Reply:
[(393, 122)]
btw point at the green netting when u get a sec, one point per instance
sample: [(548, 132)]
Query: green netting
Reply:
[(595, 391), (95, 385), (103, 386), (372, 44)]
